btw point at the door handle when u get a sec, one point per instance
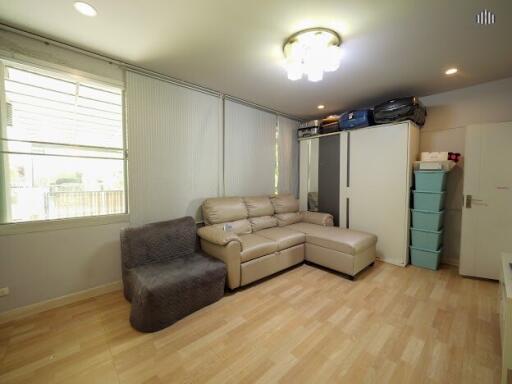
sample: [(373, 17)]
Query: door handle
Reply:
[(470, 201)]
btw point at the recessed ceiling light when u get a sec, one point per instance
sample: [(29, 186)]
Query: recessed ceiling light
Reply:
[(321, 106), (85, 9), (451, 71)]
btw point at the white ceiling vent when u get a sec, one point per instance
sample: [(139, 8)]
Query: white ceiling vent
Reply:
[(485, 17)]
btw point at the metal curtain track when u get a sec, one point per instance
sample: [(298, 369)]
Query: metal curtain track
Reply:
[(143, 71)]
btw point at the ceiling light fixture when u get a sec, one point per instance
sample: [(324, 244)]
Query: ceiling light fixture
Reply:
[(451, 71), (85, 9), (312, 52), (321, 106)]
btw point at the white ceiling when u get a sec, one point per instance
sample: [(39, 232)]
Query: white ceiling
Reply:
[(391, 48)]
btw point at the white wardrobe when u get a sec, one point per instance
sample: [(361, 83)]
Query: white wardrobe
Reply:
[(375, 177)]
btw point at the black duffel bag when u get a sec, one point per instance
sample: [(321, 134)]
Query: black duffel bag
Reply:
[(405, 108)]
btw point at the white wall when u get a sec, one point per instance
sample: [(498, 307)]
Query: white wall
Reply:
[(448, 114), (29, 50), (44, 265), (176, 155)]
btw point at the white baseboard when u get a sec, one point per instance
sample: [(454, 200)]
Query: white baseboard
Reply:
[(42, 306), (450, 261), (398, 264)]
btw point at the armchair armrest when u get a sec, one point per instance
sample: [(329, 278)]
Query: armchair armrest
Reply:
[(318, 218), (216, 235)]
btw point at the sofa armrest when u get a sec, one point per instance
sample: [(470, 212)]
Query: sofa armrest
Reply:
[(230, 255), (318, 218), (216, 235)]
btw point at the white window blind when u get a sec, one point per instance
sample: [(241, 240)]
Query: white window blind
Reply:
[(62, 147), (288, 149), (249, 151), (174, 135)]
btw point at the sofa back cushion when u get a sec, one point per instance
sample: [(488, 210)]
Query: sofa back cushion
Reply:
[(259, 206), (157, 242), (240, 227), (223, 209), (285, 203), (288, 218), (262, 222)]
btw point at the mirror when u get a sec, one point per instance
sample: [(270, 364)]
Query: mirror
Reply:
[(319, 187), (312, 176)]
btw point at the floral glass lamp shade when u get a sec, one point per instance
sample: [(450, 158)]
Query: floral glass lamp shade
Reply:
[(312, 52)]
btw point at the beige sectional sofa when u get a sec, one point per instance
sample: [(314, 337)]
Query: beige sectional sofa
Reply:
[(258, 236)]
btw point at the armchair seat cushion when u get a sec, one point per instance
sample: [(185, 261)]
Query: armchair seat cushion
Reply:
[(284, 237), (254, 246), (163, 293)]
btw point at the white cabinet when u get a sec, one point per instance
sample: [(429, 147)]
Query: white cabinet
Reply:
[(375, 190), (375, 177)]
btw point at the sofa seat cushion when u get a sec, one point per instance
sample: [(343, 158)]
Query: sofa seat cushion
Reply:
[(254, 246), (239, 227), (306, 228), (284, 237), (343, 240)]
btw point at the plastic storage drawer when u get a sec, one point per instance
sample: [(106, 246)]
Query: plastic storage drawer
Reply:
[(427, 220), (430, 181), (425, 258), (428, 201), (430, 240)]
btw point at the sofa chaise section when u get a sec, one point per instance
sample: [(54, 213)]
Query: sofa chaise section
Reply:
[(258, 236)]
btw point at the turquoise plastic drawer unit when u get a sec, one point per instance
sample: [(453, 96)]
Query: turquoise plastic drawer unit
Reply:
[(430, 240), (425, 258), (427, 220), (430, 181), (428, 201)]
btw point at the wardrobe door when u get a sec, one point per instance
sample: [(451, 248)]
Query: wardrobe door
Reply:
[(378, 187), (308, 174), (329, 176)]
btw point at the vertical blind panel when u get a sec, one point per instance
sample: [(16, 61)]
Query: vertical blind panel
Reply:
[(173, 136), (249, 150), (288, 156)]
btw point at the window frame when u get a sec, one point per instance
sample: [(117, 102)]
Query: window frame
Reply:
[(48, 69)]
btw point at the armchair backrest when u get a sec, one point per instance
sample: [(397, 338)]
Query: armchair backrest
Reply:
[(158, 242)]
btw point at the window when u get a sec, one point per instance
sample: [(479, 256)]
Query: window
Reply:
[(62, 146)]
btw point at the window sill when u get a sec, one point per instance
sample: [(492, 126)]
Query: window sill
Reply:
[(59, 224)]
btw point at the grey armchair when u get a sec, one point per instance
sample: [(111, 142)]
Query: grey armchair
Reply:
[(165, 276)]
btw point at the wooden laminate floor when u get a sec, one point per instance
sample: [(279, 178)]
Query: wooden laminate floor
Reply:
[(307, 325)]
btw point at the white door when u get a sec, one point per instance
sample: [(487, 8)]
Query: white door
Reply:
[(378, 186), (487, 211)]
